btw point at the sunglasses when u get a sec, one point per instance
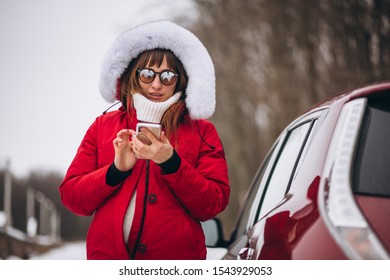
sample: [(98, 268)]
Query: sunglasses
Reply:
[(167, 78)]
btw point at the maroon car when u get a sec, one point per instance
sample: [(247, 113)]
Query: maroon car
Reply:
[(323, 190)]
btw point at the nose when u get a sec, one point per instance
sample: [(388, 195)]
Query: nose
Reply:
[(156, 82)]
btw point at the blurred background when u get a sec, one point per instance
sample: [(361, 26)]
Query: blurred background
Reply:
[(273, 59)]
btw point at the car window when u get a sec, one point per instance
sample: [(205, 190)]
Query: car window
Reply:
[(288, 145), (284, 167), (246, 219), (371, 171)]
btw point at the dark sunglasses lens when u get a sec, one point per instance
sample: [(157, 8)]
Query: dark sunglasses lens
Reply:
[(146, 75), (168, 78)]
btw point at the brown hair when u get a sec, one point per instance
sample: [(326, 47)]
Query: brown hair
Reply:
[(130, 85)]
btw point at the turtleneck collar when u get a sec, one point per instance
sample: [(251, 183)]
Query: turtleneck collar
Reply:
[(150, 111)]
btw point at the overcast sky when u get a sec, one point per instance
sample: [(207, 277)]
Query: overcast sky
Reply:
[(50, 57)]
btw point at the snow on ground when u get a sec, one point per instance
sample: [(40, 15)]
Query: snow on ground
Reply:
[(68, 251)]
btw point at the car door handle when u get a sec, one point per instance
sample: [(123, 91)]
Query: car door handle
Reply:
[(245, 253)]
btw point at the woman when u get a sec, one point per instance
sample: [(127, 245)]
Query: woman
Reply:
[(148, 198)]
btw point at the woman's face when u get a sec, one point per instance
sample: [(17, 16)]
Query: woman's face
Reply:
[(155, 90)]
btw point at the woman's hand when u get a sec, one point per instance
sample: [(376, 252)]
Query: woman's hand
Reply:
[(158, 151), (124, 156)]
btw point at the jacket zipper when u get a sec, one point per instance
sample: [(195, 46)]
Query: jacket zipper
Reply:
[(137, 241)]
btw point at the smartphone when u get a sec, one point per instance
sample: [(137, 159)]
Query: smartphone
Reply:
[(153, 128)]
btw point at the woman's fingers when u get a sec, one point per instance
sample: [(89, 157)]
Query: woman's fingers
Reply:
[(123, 136), (157, 150), (117, 141), (124, 133)]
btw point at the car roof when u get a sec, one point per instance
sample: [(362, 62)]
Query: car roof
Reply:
[(347, 95)]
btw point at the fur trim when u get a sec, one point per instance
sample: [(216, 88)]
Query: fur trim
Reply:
[(200, 99)]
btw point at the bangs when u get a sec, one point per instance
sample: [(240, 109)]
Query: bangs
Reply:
[(156, 58)]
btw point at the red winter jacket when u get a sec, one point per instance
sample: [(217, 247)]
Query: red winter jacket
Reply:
[(176, 203)]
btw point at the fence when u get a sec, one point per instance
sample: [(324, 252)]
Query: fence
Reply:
[(42, 228)]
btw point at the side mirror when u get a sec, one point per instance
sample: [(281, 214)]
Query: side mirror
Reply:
[(213, 232)]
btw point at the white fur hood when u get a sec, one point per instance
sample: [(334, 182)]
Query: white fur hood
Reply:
[(200, 99)]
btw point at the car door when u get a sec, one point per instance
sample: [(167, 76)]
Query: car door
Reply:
[(270, 185)]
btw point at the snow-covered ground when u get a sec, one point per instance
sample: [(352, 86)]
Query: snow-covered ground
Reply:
[(68, 251)]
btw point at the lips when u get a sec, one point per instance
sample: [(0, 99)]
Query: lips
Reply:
[(155, 96)]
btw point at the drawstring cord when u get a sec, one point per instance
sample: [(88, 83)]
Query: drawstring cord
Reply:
[(201, 137)]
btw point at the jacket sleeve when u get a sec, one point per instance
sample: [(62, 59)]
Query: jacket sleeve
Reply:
[(204, 190), (84, 187)]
